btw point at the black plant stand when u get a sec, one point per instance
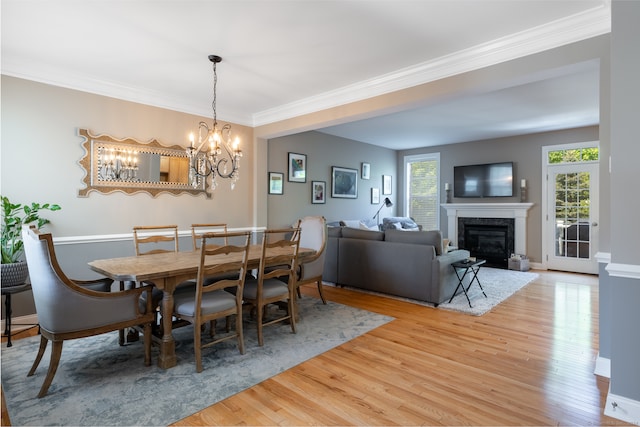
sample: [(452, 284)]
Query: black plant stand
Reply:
[(7, 291)]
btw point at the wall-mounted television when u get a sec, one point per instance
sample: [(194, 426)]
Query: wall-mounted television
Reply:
[(488, 180)]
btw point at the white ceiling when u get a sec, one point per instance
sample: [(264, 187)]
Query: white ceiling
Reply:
[(283, 58)]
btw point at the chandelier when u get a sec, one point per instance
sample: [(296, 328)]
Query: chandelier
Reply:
[(222, 156)]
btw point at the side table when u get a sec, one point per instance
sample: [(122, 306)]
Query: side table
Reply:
[(7, 291), (467, 267)]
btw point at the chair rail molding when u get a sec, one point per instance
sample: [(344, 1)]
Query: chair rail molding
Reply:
[(517, 211)]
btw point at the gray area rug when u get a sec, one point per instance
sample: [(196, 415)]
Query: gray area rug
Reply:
[(497, 283), (101, 383)]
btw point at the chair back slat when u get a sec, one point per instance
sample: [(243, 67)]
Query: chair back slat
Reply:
[(153, 239), (197, 230), (236, 257)]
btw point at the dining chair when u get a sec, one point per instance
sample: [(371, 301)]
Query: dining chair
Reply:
[(68, 311), (155, 239), (216, 299), (280, 253), (313, 235)]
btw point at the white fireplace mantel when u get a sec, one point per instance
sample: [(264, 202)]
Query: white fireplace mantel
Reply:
[(518, 211)]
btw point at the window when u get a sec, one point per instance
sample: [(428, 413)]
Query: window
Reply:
[(422, 191)]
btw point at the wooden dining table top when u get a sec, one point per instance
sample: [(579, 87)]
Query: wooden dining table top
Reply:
[(175, 264)]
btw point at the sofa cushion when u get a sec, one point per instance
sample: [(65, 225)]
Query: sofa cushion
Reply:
[(356, 233), (433, 238)]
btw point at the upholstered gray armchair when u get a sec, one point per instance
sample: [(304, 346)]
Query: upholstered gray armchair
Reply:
[(313, 235), (68, 310)]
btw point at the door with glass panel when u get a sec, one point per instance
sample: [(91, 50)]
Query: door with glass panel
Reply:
[(572, 212)]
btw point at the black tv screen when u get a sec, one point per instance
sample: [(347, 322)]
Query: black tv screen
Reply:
[(489, 180)]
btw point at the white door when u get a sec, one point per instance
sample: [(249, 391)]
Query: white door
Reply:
[(572, 217)]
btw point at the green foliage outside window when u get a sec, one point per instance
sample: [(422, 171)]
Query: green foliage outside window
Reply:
[(574, 155)]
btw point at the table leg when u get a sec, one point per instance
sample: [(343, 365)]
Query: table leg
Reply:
[(475, 277), (167, 358), (461, 285)]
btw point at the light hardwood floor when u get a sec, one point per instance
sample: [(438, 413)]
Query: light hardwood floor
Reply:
[(529, 361)]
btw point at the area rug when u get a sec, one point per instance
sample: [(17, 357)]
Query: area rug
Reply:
[(498, 284), (101, 383)]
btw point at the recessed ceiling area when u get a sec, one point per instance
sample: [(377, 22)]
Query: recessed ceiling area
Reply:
[(561, 102)]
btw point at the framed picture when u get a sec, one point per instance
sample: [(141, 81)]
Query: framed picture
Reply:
[(375, 196), (276, 180), (386, 185), (297, 167), (366, 170), (318, 191), (344, 183)]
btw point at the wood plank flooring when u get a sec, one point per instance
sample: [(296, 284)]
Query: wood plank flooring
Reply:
[(529, 361)]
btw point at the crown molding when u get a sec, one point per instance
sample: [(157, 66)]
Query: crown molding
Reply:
[(582, 26), (591, 23)]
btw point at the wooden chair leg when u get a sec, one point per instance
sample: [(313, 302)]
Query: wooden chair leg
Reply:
[(321, 292), (197, 347), (292, 315), (260, 320), (239, 331), (56, 352), (43, 347)]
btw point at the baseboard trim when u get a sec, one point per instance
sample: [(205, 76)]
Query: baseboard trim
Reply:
[(622, 408), (21, 323), (603, 367)]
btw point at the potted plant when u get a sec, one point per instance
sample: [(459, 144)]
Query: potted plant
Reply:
[(14, 216)]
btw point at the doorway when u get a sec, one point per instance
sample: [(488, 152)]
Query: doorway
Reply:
[(570, 236)]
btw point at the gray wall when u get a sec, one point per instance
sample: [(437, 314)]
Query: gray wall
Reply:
[(525, 152), (625, 203), (324, 151)]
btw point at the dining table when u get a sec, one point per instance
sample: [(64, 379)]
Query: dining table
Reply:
[(167, 270)]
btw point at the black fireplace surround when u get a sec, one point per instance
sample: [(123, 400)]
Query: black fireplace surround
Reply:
[(491, 239)]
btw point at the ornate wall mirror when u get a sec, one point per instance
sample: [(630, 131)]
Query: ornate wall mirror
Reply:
[(130, 166)]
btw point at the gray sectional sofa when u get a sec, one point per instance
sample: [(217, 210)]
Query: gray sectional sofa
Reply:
[(408, 264)]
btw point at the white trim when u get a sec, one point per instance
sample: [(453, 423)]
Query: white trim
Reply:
[(581, 26), (518, 211), (603, 367), (603, 257), (591, 23), (105, 238), (622, 408), (629, 271)]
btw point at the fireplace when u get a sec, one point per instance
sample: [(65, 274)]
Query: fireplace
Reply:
[(491, 239)]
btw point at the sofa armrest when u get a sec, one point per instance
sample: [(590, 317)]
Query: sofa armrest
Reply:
[(444, 279)]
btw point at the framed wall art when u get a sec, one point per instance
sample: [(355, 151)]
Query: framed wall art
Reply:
[(276, 181), (386, 185), (318, 192), (375, 195), (344, 183), (297, 167), (366, 171)]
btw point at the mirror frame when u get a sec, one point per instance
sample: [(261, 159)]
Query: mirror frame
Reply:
[(90, 163)]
